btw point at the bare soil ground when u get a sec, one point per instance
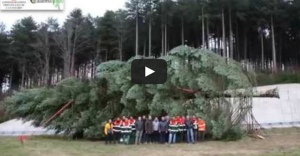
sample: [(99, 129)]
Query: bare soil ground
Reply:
[(277, 143)]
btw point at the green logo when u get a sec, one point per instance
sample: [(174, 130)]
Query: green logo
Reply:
[(56, 3)]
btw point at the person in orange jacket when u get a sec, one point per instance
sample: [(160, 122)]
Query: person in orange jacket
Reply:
[(126, 130), (133, 131), (108, 131), (201, 128), (173, 129), (182, 128), (132, 123), (179, 133)]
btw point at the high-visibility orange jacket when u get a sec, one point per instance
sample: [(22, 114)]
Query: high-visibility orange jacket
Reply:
[(126, 123), (173, 126), (182, 121), (201, 125), (178, 119), (117, 125), (126, 128), (132, 123)]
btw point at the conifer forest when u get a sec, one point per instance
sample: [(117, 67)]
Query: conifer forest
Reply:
[(211, 46)]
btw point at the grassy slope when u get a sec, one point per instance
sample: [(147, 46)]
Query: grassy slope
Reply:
[(280, 78), (276, 144)]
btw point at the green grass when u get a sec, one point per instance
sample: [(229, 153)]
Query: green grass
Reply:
[(276, 144), (279, 78)]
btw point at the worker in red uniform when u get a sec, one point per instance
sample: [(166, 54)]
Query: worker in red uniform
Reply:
[(132, 123), (132, 134), (201, 129), (173, 129), (126, 130), (179, 133), (117, 130), (182, 129)]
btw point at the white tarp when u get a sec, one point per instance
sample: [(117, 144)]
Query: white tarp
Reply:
[(18, 127), (283, 112)]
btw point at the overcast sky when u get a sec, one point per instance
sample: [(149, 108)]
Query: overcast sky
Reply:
[(94, 7)]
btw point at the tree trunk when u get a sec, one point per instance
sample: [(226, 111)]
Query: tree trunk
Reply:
[(245, 44), (215, 45), (150, 32), (144, 51), (92, 69), (219, 46), (237, 41), (182, 31), (166, 39), (67, 56), (230, 36), (73, 51), (207, 30), (262, 51), (27, 82), (137, 32), (223, 34), (47, 61), (121, 49), (162, 31), (57, 75), (98, 50), (121, 44), (85, 71), (47, 72), (1, 83), (280, 47), (162, 39), (168, 47), (203, 28), (23, 76), (49, 82), (273, 47), (72, 69), (106, 55)]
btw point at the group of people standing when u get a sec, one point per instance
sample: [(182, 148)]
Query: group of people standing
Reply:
[(146, 130)]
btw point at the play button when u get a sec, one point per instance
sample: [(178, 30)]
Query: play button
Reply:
[(148, 71)]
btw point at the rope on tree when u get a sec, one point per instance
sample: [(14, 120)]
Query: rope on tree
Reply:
[(58, 112)]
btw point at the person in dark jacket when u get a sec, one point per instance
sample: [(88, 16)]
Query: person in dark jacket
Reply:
[(148, 129), (189, 130), (167, 118), (144, 134), (163, 130), (139, 127)]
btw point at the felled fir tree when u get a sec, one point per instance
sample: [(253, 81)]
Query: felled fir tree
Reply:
[(196, 77)]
